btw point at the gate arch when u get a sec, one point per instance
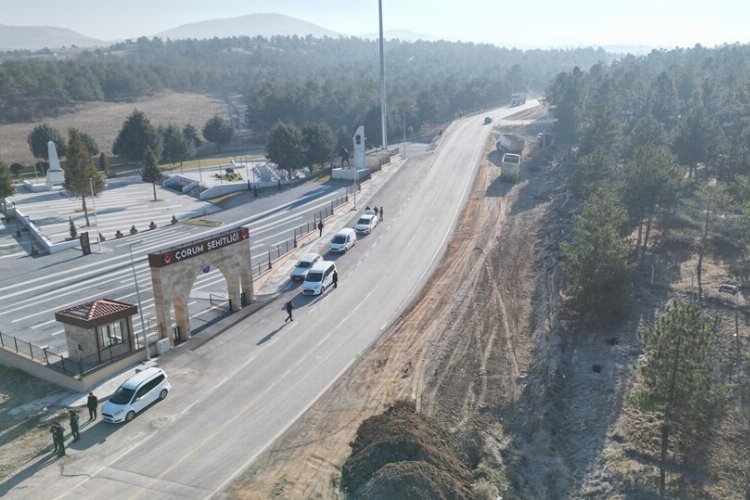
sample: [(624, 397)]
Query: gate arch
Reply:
[(174, 271)]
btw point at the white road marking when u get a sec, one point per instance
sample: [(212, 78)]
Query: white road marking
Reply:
[(189, 407)]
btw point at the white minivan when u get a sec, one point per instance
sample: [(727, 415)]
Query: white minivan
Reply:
[(135, 394), (343, 240), (319, 278)]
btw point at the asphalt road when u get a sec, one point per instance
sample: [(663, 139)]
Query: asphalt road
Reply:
[(33, 289), (233, 395)]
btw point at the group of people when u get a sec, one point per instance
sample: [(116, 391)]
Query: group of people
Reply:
[(58, 433), (377, 212)]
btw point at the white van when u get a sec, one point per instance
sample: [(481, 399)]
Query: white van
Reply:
[(319, 278), (343, 240), (135, 394)]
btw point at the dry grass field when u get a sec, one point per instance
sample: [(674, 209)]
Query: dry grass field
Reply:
[(103, 120)]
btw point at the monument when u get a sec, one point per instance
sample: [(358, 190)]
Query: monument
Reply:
[(359, 148), (55, 174)]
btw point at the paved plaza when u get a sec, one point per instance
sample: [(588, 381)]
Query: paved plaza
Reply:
[(123, 203)]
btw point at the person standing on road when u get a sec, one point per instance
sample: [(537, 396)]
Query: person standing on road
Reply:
[(55, 440), (335, 279), (59, 434), (92, 403), (381, 213), (74, 425), (289, 308), (320, 227)]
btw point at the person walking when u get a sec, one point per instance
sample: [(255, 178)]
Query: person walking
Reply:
[(74, 425), (381, 213), (335, 279), (92, 403), (289, 308), (320, 227)]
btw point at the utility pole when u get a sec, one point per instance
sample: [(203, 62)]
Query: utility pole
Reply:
[(383, 127)]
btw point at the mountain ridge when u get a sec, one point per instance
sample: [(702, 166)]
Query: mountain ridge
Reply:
[(41, 37), (260, 24)]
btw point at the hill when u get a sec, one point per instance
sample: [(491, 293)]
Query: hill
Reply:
[(252, 25), (40, 37)]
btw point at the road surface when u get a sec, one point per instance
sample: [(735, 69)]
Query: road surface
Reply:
[(232, 396)]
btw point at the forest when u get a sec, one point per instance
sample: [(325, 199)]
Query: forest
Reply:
[(659, 149), (288, 79)]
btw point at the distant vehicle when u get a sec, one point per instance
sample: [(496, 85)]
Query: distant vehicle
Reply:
[(509, 143), (366, 223), (135, 394), (729, 288), (487, 120), (319, 278), (510, 166), (343, 240), (304, 264), (517, 99)]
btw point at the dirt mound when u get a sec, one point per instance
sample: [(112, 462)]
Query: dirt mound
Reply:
[(402, 454)]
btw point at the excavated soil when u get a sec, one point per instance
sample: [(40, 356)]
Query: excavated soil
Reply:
[(404, 454)]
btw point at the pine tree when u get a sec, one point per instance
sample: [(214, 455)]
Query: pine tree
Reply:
[(678, 374), (6, 182), (81, 177), (72, 228), (597, 261), (151, 172)]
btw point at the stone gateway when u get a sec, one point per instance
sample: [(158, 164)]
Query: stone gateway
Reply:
[(174, 270)]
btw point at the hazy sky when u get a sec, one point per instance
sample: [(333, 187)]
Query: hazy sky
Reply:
[(523, 23)]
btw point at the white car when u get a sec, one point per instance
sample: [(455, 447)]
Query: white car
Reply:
[(343, 240), (319, 278), (304, 264), (366, 223), (135, 394)]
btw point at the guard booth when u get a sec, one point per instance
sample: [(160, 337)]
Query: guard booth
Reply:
[(174, 271), (100, 331)]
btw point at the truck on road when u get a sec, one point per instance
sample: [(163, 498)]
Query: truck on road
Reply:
[(510, 166), (517, 100), (509, 143)]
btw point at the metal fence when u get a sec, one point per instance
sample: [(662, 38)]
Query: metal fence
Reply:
[(67, 365), (264, 262)]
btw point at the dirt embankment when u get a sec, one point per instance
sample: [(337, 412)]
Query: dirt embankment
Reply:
[(461, 357)]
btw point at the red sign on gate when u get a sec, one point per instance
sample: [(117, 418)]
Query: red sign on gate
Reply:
[(194, 248)]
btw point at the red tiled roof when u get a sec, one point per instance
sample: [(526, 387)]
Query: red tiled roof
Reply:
[(97, 310)]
